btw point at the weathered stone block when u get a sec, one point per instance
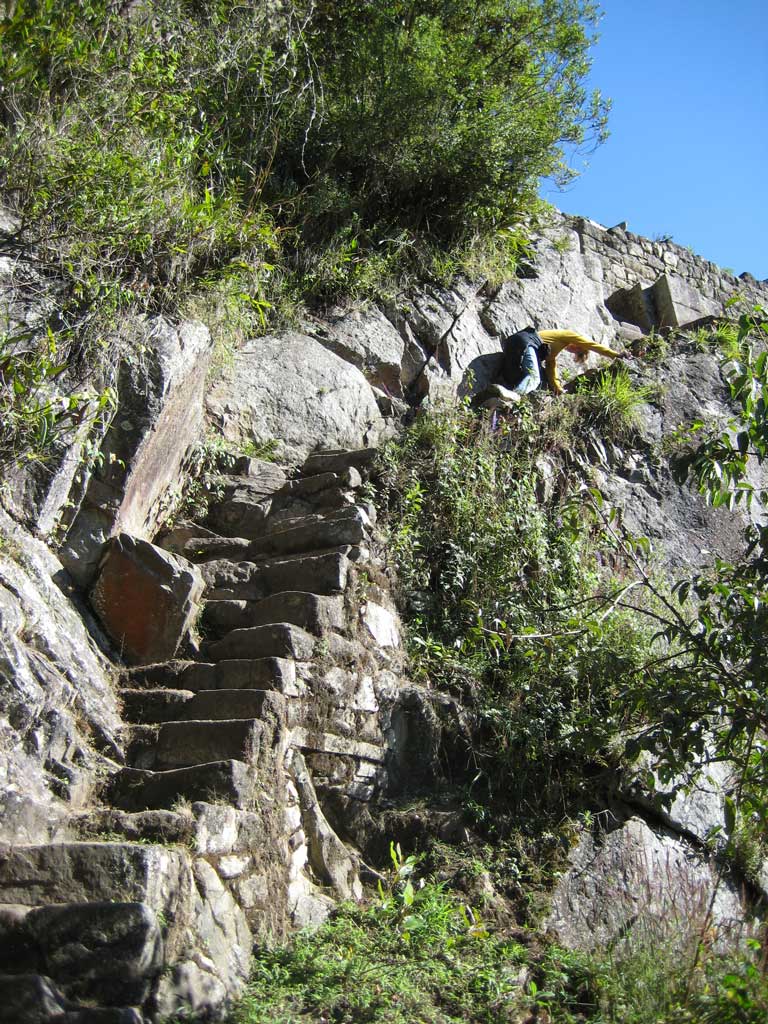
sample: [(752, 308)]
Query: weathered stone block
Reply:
[(110, 952), (276, 640), (324, 573), (249, 674), (677, 303), (184, 744), (159, 417), (146, 599), (230, 781)]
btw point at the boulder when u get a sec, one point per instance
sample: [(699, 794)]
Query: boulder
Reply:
[(146, 599), (638, 878), (292, 389), (158, 419), (368, 340)]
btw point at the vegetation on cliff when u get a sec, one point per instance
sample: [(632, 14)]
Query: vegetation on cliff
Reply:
[(255, 152)]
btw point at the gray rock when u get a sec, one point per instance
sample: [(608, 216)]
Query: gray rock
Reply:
[(366, 339), (677, 303), (135, 789), (257, 673), (292, 389), (216, 969), (328, 856), (382, 624), (110, 952), (146, 598), (277, 640), (57, 698), (30, 999), (158, 419), (635, 878), (324, 573)]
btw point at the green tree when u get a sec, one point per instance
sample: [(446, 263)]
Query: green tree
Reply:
[(442, 115)]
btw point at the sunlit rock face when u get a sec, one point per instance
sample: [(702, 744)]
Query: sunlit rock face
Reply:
[(227, 770)]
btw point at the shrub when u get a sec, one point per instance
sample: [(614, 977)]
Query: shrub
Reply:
[(506, 600)]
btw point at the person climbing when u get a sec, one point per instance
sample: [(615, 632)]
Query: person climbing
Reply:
[(578, 345), (523, 355), (526, 351)]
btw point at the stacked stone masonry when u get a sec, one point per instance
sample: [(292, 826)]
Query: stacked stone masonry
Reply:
[(213, 831)]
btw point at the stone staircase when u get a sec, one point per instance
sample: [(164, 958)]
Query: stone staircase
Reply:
[(213, 830)]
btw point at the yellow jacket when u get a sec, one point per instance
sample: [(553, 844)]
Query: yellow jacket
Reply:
[(557, 341)]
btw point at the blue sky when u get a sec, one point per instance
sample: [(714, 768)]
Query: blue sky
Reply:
[(688, 151)]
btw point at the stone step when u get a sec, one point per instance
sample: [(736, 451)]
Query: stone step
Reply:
[(276, 640), (183, 744), (203, 549), (87, 872), (153, 706), (348, 528), (230, 781), (312, 612), (150, 708), (220, 705), (250, 674), (258, 522), (180, 744), (105, 952), (267, 477), (243, 510), (155, 826), (324, 574), (336, 461), (331, 743)]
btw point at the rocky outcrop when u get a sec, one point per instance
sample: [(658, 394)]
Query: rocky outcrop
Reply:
[(291, 390), (637, 882), (59, 712), (236, 783), (159, 417)]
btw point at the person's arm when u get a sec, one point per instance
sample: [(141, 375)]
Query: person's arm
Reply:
[(602, 350), (550, 365), (562, 339)]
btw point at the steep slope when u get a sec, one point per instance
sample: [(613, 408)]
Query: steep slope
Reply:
[(233, 785)]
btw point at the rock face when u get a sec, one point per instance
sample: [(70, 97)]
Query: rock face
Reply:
[(232, 783), (159, 416), (60, 717), (292, 390), (638, 880)]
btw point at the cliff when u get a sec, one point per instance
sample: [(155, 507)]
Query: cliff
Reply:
[(210, 727)]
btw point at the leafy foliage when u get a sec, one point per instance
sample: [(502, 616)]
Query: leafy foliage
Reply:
[(37, 417), (416, 953), (166, 148), (443, 113), (507, 602), (711, 703)]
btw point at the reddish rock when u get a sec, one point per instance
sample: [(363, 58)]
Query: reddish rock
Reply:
[(146, 599)]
